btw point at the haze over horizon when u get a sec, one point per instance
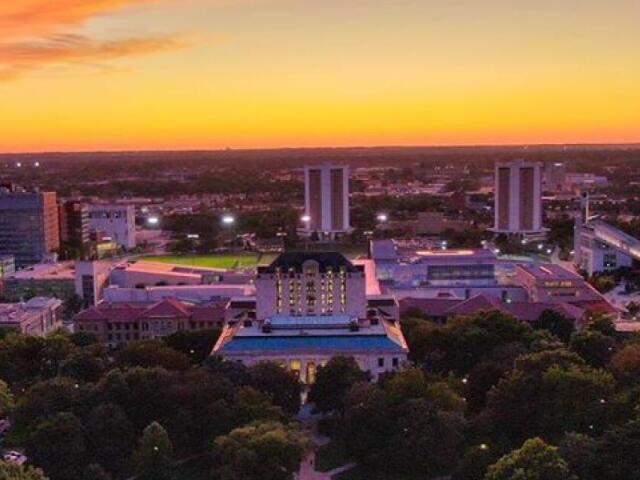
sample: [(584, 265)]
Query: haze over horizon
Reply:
[(108, 75)]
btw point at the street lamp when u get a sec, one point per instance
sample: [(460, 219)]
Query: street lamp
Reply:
[(229, 220), (306, 219), (153, 221), (382, 218)]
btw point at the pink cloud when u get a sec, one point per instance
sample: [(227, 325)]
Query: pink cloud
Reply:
[(37, 33)]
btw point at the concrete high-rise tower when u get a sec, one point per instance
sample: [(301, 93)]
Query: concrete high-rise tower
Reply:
[(28, 225), (326, 189), (518, 198)]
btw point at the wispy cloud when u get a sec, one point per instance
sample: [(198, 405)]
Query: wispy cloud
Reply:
[(19, 58), (38, 33)]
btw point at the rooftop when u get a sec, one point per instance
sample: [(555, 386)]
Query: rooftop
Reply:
[(310, 344), (46, 271), (294, 261), (167, 308), (548, 271), (161, 267), (15, 313)]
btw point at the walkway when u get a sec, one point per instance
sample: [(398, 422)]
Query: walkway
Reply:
[(307, 466)]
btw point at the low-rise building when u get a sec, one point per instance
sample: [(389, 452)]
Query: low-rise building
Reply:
[(600, 247), (118, 222), (552, 283), (49, 279), (38, 316), (7, 265), (183, 293), (143, 273), (410, 271), (117, 323)]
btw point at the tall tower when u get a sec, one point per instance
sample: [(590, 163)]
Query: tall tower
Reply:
[(326, 189), (29, 227), (518, 197)]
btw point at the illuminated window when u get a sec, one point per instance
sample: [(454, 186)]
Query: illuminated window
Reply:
[(311, 372), (295, 367)]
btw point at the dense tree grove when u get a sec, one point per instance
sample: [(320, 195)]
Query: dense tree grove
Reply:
[(82, 412), (486, 397), (490, 398)]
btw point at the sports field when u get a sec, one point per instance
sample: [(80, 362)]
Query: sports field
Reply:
[(224, 260)]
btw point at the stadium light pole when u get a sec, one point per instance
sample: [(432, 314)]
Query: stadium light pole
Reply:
[(382, 218), (229, 221), (306, 220)]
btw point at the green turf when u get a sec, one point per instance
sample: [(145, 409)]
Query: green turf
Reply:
[(213, 260)]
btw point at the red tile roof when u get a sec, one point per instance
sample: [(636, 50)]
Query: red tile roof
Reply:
[(433, 307), (475, 304), (525, 311), (167, 308)]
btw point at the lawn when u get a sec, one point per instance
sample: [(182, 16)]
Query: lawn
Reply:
[(214, 260)]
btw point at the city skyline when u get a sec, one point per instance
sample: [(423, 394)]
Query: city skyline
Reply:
[(208, 74)]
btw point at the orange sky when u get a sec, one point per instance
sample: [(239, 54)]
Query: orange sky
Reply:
[(170, 74)]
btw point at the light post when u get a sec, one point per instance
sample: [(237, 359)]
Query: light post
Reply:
[(306, 220), (229, 221), (153, 221), (382, 218)]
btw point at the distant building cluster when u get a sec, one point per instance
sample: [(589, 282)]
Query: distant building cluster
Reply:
[(454, 282), (35, 225), (305, 307)]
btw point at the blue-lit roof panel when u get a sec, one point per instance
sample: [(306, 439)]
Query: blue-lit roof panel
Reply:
[(328, 342)]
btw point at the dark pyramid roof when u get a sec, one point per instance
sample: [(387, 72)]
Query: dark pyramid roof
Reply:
[(295, 260)]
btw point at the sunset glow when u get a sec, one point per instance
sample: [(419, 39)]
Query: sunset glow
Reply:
[(173, 74)]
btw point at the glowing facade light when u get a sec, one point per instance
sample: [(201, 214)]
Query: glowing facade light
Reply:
[(228, 219), (306, 218), (153, 220), (382, 217)]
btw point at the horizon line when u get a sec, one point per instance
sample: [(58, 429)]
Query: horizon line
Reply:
[(633, 145)]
